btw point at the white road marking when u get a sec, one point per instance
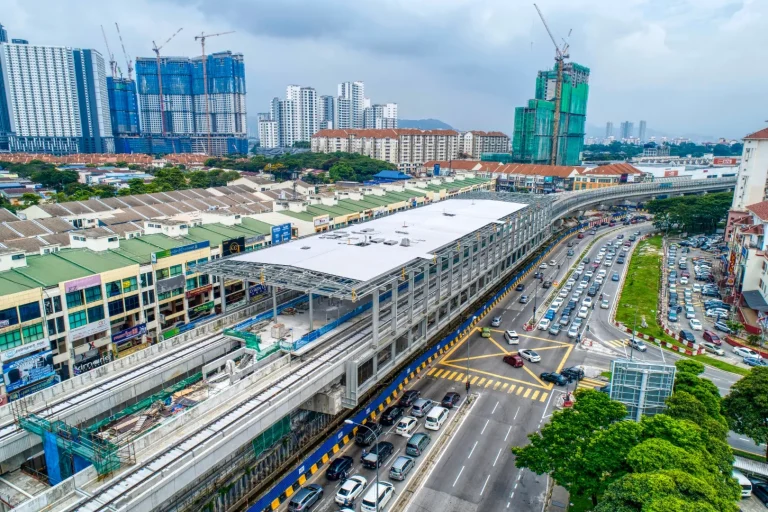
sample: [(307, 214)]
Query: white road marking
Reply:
[(508, 431), (457, 476), (472, 450), (513, 419), (497, 457), (486, 483), (494, 407), (486, 424)]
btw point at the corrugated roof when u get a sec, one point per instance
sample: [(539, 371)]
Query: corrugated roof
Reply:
[(6, 216), (55, 224)]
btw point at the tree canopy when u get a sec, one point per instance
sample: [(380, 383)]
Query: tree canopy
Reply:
[(746, 407), (673, 462), (618, 150), (695, 213)]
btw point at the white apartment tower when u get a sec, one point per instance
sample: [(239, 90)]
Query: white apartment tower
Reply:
[(308, 113), (326, 110), (355, 93), (268, 134), (342, 118)]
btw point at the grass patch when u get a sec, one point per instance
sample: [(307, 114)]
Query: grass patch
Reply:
[(607, 375), (722, 365), (580, 504), (746, 455)]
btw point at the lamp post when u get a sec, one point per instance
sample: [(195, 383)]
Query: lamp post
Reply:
[(376, 436)]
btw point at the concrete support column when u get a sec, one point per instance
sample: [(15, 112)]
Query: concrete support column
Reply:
[(274, 303), (393, 309), (375, 315), (426, 288), (311, 315), (461, 268), (223, 298), (451, 268), (411, 291)]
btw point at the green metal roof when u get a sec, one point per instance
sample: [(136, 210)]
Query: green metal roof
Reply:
[(299, 215), (257, 226)]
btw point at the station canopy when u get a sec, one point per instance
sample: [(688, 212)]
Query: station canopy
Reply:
[(350, 262)]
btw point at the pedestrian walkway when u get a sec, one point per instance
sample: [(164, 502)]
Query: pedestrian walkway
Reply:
[(485, 383), (618, 343), (591, 383)]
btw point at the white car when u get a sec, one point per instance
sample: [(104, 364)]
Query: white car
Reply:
[(512, 337), (552, 263), (583, 312), (543, 266), (715, 313), (529, 355), (406, 426), (605, 304), (571, 282), (602, 272), (695, 324), (683, 280), (563, 294), (711, 347), (544, 324), (587, 302), (697, 288), (599, 280), (607, 263), (556, 303), (589, 274), (745, 352), (350, 490)]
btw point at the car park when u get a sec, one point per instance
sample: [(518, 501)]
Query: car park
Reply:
[(421, 407), (529, 355), (755, 361), (339, 468), (406, 426), (450, 400), (378, 455), (745, 352), (350, 490), (687, 336), (554, 378), (712, 348), (511, 337), (305, 498)]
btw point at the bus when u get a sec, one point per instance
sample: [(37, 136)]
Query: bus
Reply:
[(746, 485)]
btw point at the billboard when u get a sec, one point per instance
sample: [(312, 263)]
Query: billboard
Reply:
[(90, 360), (27, 370), (281, 233), (233, 246), (82, 283), (88, 329), (670, 174), (23, 350), (179, 250), (257, 289), (129, 334), (721, 160), (322, 221)]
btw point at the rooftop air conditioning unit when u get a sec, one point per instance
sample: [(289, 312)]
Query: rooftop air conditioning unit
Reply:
[(405, 242)]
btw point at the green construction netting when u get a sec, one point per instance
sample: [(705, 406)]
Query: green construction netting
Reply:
[(272, 435)]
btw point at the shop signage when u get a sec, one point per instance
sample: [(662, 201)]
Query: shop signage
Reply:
[(202, 307), (322, 221), (254, 239), (94, 361), (34, 388), (170, 333), (179, 250), (4, 323), (172, 283), (83, 283), (22, 372), (25, 349), (281, 233), (257, 289), (199, 291), (88, 329), (233, 246), (129, 334)]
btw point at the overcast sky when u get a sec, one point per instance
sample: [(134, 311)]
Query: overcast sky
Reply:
[(685, 66)]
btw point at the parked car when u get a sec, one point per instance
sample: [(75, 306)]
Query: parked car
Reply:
[(711, 337), (672, 315), (553, 377), (450, 399), (687, 336), (714, 349), (745, 352), (720, 326), (529, 355), (339, 468), (695, 324), (755, 361)]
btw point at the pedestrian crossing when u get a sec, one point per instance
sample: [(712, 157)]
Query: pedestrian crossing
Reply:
[(618, 343), (488, 383), (510, 388)]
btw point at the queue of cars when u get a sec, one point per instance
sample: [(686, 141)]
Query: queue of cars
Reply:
[(376, 454)]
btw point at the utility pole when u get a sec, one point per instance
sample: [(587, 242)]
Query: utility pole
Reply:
[(202, 37), (157, 49)]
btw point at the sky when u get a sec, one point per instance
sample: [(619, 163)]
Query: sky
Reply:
[(687, 67)]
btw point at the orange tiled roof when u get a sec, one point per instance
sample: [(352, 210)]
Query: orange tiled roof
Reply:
[(759, 209), (613, 170), (391, 133), (760, 134), (560, 171)]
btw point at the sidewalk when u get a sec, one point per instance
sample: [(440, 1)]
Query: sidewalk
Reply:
[(559, 500)]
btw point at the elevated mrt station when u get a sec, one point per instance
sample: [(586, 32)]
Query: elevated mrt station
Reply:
[(395, 281)]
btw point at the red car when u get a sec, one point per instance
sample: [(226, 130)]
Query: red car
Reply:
[(611, 224), (514, 360), (712, 338)]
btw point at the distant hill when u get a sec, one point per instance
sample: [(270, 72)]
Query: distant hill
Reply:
[(423, 124)]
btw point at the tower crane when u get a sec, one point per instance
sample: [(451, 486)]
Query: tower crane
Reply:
[(561, 53), (202, 37), (157, 49), (128, 60), (112, 61)]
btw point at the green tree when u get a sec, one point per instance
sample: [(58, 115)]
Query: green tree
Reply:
[(199, 179), (51, 178), (302, 144), (29, 199), (170, 178), (342, 172), (746, 406)]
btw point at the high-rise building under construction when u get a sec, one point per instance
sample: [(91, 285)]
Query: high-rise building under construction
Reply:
[(534, 123)]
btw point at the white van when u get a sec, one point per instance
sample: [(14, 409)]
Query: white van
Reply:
[(746, 485), (436, 418), (385, 491)]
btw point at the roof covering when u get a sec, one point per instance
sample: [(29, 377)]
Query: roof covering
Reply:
[(755, 300), (342, 262), (759, 209), (760, 134)]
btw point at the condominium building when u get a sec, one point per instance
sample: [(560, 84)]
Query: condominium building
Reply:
[(355, 93), (342, 118), (641, 131), (184, 115), (407, 148), (608, 129), (326, 111), (752, 177), (380, 116), (475, 143), (123, 107), (268, 134), (55, 100), (626, 130)]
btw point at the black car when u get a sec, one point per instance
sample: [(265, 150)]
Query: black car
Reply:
[(339, 469), (520, 287), (367, 433), (687, 336), (408, 398), (391, 415), (377, 455), (554, 377), (572, 373), (450, 399), (537, 275), (546, 284), (760, 490)]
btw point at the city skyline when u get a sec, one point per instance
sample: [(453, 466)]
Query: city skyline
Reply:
[(442, 72)]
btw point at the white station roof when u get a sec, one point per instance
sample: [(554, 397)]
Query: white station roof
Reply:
[(365, 251)]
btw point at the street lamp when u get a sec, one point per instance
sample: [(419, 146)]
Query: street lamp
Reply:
[(376, 436)]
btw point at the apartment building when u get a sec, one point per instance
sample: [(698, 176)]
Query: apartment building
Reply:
[(84, 282), (407, 148), (752, 177), (475, 143)]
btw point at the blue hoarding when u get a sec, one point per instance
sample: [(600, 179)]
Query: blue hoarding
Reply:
[(436, 170), (25, 371), (281, 233)]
